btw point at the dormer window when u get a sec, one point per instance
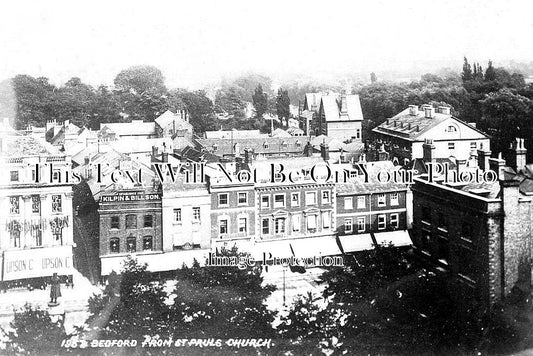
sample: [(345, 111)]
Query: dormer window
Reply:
[(452, 128), (265, 145), (284, 144), (215, 147), (298, 143)]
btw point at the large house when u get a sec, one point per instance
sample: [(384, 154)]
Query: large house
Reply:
[(407, 131)]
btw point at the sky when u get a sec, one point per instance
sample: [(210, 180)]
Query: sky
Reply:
[(198, 42)]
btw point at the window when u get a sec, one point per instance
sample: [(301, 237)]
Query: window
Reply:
[(467, 231), (265, 226), (115, 222), (223, 199), (114, 245), (265, 144), (311, 223), (361, 224), (295, 199), (14, 176), (148, 221), (241, 224), (394, 221), (443, 224), (325, 197), (382, 200), (177, 215), (382, 222), (56, 204), (37, 235), (131, 244), (296, 222), (14, 235), (14, 207), (424, 240), (394, 199), (148, 243), (279, 200), (279, 225), (56, 176), (196, 214), (348, 203), (358, 134), (223, 226), (310, 198), (131, 221), (452, 128), (348, 225), (451, 146), (242, 198), (443, 251), (326, 219), (473, 145), (265, 201), (35, 204), (361, 202), (426, 215)]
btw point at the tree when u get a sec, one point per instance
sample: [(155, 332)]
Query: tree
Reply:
[(133, 304), (200, 107), (221, 302), (73, 101), (231, 100), (467, 71), (141, 79), (490, 73), (283, 106), (260, 100), (34, 333)]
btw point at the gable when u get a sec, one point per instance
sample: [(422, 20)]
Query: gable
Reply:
[(452, 129)]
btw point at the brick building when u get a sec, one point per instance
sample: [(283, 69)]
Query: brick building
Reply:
[(373, 212), (130, 224), (480, 233)]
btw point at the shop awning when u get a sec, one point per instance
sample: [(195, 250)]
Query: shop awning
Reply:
[(316, 246), (397, 238), (355, 243), (281, 249)]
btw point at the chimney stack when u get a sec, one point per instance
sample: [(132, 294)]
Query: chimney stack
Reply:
[(413, 110), (324, 151), (382, 154), (444, 110), (428, 148), (496, 165), (517, 157), (308, 150), (483, 157), (344, 105), (429, 112)]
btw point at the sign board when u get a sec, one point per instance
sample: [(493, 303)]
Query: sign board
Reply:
[(39, 262), (129, 196)]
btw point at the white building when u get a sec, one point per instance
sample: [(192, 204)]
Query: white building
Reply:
[(408, 130), (36, 226)]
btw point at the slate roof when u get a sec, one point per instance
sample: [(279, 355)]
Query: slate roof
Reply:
[(228, 134), (20, 146), (134, 128), (262, 145), (331, 106), (411, 127), (358, 186)]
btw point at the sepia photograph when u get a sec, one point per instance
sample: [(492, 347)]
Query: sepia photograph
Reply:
[(278, 178)]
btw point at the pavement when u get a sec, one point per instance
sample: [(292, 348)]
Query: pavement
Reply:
[(73, 301)]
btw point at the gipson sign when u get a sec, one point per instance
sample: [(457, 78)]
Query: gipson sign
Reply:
[(42, 262)]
